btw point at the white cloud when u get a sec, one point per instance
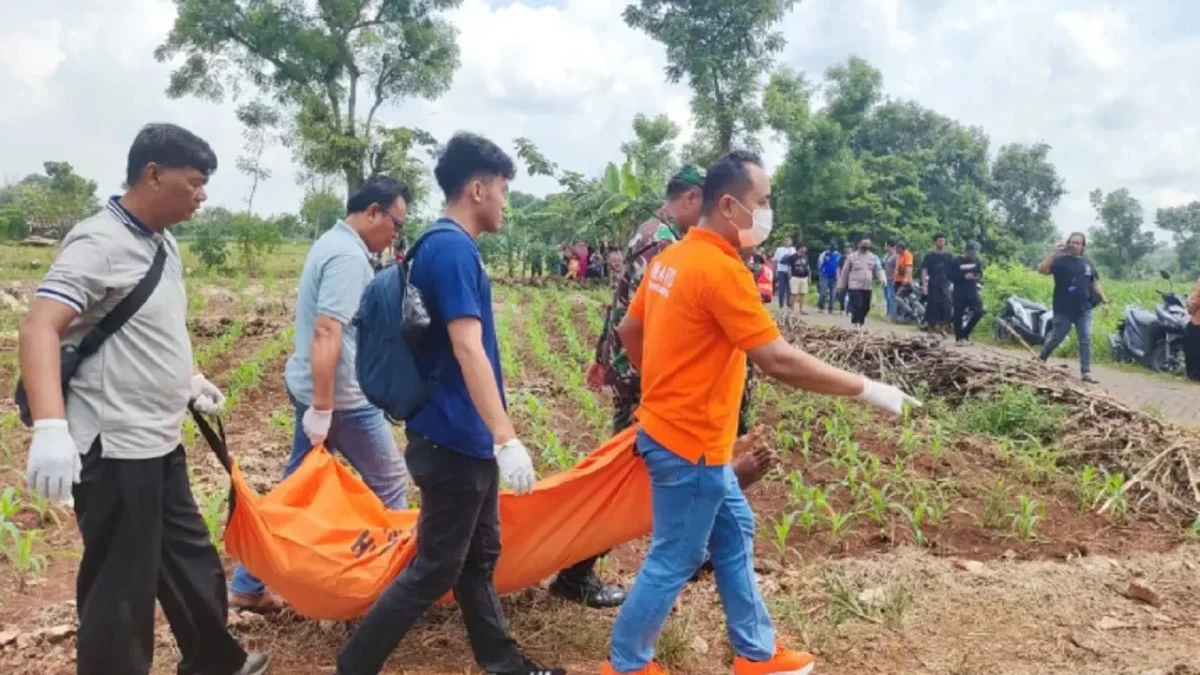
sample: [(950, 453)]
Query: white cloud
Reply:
[(1108, 85)]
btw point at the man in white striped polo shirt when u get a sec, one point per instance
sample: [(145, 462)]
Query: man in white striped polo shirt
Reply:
[(113, 445)]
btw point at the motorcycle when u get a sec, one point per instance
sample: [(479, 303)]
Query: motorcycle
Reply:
[(1153, 340), (910, 305), (1033, 321)]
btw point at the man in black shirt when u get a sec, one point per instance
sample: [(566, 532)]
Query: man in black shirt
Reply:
[(935, 283), (965, 274), (798, 275), (1076, 291)]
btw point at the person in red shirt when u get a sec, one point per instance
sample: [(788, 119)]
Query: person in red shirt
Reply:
[(694, 320)]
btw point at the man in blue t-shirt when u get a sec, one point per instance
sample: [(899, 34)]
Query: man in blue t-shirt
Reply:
[(828, 266), (461, 442)]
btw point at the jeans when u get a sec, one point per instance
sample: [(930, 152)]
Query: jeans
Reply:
[(364, 437), (860, 306), (783, 289), (1083, 331), (144, 539), (889, 298), (458, 544), (963, 301), (1191, 351), (695, 507), (826, 287)]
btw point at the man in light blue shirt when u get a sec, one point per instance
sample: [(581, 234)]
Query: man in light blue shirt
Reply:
[(320, 375)]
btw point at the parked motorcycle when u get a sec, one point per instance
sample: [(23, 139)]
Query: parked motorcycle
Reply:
[(1033, 321), (1153, 340), (910, 305)]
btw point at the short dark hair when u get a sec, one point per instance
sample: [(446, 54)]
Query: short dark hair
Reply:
[(170, 146), (1078, 234), (728, 175), (468, 156), (861, 237), (889, 242), (938, 235), (381, 190)]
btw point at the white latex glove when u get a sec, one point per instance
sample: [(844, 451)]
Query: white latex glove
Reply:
[(316, 424), (206, 398), (54, 461), (886, 397), (516, 468)]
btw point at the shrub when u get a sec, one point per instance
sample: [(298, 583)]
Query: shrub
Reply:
[(210, 248)]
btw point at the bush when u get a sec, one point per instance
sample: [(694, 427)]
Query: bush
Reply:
[(1012, 412), (210, 248), (255, 238)]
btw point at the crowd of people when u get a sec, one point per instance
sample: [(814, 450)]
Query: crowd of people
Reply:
[(685, 329), (685, 324)]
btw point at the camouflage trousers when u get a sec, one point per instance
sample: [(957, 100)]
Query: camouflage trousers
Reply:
[(626, 402)]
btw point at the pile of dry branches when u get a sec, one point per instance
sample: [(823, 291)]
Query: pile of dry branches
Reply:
[(1160, 459), (553, 281)]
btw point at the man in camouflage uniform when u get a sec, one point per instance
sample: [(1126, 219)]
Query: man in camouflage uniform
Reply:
[(611, 368)]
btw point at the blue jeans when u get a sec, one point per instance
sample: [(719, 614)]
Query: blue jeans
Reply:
[(1083, 331), (889, 297), (825, 291), (364, 437), (696, 507), (783, 289)]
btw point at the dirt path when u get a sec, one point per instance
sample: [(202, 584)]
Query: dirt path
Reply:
[(1176, 400)]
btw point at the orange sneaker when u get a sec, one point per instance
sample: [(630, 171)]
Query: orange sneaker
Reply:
[(784, 662), (653, 669)]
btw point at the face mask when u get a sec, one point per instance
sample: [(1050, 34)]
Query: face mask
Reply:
[(762, 219)]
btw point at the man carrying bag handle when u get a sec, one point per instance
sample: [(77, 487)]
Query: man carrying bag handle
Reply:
[(111, 441)]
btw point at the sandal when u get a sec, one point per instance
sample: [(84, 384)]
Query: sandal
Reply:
[(266, 602)]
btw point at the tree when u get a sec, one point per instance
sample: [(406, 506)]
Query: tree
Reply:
[(1183, 222), (323, 63), (853, 89), (259, 121), (320, 210), (1119, 242), (48, 204), (652, 149), (722, 49), (1025, 189)]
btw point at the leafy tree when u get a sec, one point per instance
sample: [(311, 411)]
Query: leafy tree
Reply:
[(722, 49), (209, 246), (1183, 222), (324, 63), (853, 89), (1025, 189), (652, 149), (1119, 242), (13, 225), (254, 238), (49, 204), (320, 210), (258, 121)]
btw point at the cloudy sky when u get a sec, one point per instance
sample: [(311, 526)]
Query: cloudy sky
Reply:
[(1112, 86)]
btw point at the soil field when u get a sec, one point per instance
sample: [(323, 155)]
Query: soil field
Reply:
[(941, 543)]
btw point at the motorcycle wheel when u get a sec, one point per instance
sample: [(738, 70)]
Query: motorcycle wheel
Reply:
[(999, 331), (1162, 360)]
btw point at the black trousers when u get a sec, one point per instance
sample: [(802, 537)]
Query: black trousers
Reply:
[(962, 302), (860, 306), (144, 538), (458, 544), (938, 308), (1191, 351)]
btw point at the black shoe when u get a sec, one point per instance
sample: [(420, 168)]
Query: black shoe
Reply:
[(531, 667), (589, 590), (256, 664)]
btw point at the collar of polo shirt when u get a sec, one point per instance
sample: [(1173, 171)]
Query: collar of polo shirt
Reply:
[(122, 214)]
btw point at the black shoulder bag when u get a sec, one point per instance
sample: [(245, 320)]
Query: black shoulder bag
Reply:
[(71, 356)]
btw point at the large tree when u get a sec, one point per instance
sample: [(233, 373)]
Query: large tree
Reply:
[(1119, 242), (653, 148), (331, 64), (48, 204), (722, 49), (1183, 222), (1025, 189)]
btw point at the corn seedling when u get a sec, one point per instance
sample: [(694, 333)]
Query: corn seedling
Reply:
[(840, 524), (1028, 514), (916, 518), (995, 506), (18, 547), (283, 418), (1088, 487), (10, 504), (43, 507), (873, 503), (781, 529), (1114, 495), (213, 510)]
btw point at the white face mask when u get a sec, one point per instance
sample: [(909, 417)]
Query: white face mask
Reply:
[(762, 219)]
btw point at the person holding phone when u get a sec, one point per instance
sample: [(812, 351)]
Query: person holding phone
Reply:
[(1076, 292)]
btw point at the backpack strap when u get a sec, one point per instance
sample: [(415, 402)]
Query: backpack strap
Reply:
[(126, 308), (439, 226)]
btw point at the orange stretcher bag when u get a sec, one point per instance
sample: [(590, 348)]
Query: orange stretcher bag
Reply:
[(327, 545)]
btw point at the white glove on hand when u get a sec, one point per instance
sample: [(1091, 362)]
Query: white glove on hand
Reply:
[(206, 398), (516, 468), (886, 397), (54, 461), (316, 424)]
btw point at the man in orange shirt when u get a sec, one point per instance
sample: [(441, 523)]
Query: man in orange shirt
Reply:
[(695, 318)]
